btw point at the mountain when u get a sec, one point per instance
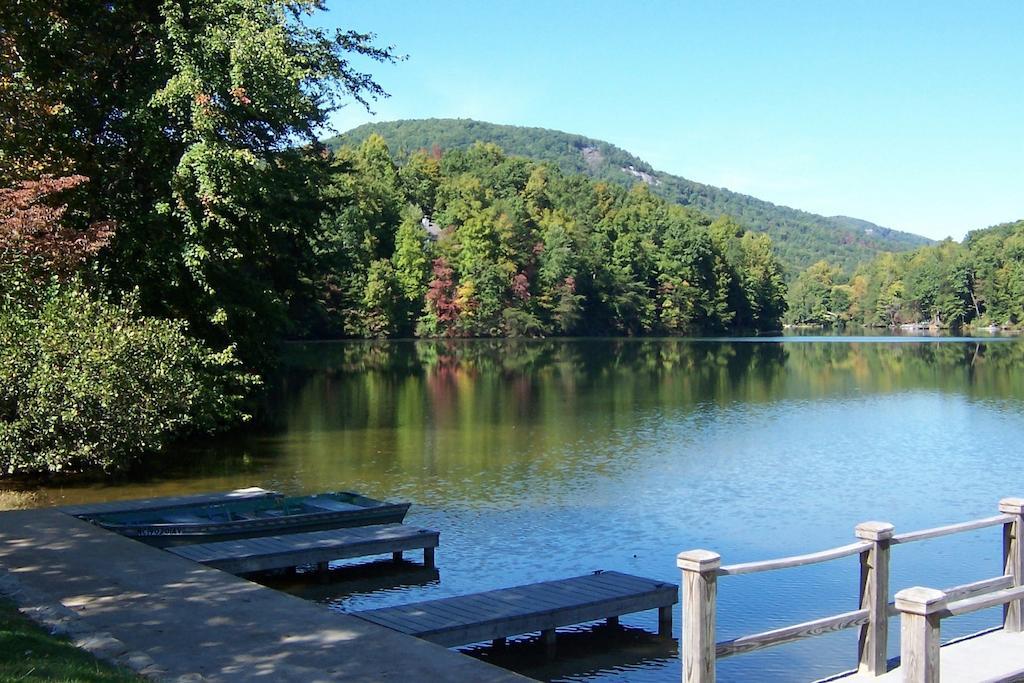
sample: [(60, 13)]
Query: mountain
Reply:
[(800, 238)]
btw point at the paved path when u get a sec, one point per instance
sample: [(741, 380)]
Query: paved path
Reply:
[(191, 620), (986, 658)]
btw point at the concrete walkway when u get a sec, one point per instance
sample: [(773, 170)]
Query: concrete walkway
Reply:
[(985, 658), (188, 621)]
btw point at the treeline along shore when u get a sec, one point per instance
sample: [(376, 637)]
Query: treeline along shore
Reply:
[(976, 283)]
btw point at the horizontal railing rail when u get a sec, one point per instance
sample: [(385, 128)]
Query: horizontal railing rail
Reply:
[(980, 602), (794, 560), (788, 634), (970, 590), (951, 529), (701, 569)]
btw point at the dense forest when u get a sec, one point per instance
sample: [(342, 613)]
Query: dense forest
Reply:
[(800, 238), (476, 243), (979, 283)]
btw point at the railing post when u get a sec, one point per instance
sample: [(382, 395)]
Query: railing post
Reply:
[(700, 593), (872, 645), (920, 614), (1013, 560)]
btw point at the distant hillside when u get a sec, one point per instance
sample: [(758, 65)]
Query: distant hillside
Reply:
[(1001, 231), (800, 238)]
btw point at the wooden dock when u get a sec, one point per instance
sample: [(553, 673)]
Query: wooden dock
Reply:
[(247, 555), (495, 615)]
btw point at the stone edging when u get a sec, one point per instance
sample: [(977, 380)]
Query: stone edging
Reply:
[(59, 620)]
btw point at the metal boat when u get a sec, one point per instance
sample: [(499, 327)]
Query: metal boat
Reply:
[(269, 515)]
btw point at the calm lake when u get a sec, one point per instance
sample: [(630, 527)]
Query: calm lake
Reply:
[(546, 459)]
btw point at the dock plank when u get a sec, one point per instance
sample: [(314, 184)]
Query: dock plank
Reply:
[(513, 611), (591, 590), (248, 555), (585, 594), (485, 608), (514, 604)]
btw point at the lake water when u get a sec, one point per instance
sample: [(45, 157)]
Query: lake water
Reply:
[(546, 459)]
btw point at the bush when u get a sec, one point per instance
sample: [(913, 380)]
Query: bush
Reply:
[(86, 382)]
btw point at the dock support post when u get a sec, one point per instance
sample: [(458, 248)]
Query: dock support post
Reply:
[(396, 556), (920, 613), (1013, 560), (428, 558), (665, 621), (700, 593), (548, 636), (612, 621), (499, 643), (872, 654)]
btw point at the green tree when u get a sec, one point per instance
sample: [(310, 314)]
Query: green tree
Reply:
[(380, 304), (559, 263), (411, 260), (420, 176), (810, 297), (762, 281), (188, 119), (692, 291)]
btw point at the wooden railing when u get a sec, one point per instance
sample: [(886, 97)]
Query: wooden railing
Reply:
[(701, 569)]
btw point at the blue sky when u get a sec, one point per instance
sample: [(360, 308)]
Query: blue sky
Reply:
[(909, 114)]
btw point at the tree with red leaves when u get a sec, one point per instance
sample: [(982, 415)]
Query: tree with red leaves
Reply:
[(442, 308), (521, 287), (32, 224)]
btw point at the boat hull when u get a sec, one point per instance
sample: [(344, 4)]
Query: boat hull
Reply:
[(251, 518), (168, 535)]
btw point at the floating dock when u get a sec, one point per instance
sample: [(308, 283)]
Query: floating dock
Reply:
[(246, 555), (495, 615)]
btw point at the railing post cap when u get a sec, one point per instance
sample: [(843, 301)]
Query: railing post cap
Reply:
[(1012, 506), (698, 560), (874, 531), (920, 600)]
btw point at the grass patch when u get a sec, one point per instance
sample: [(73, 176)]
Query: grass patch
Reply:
[(18, 500), (28, 653)]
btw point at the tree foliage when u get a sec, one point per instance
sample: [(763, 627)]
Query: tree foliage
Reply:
[(86, 382), (979, 282), (478, 243), (196, 124), (33, 225), (799, 238)]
